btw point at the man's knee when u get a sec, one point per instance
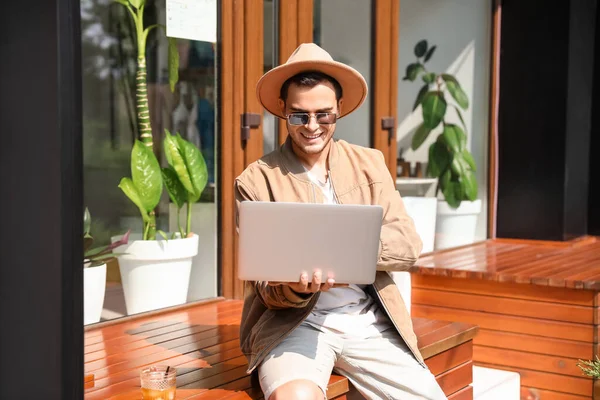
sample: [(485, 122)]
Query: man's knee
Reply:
[(299, 389)]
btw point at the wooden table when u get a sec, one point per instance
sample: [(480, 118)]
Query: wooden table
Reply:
[(536, 304), (202, 342)]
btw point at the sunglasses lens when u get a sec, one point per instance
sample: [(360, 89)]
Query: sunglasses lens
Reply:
[(298, 119), (326, 118)]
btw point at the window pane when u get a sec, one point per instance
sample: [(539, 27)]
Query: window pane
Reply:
[(464, 54), (347, 37), (110, 128)]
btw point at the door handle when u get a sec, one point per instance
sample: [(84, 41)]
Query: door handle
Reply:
[(388, 124), (248, 121)]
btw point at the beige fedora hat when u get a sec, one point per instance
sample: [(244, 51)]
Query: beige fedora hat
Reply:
[(310, 57)]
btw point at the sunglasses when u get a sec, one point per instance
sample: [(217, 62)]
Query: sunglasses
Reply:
[(304, 118)]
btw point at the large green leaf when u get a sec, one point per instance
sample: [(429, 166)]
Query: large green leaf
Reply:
[(173, 63), (439, 159), (456, 91), (196, 166), (146, 176), (469, 185), (421, 48), (454, 137), (469, 159), (460, 117), (177, 161), (412, 71), (429, 53), (453, 193), (176, 191), (459, 166), (420, 136), (127, 186), (420, 96), (124, 2), (434, 109), (428, 77)]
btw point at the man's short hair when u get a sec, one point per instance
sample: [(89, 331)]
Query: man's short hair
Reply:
[(310, 79)]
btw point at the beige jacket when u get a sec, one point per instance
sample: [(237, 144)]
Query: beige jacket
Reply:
[(359, 176)]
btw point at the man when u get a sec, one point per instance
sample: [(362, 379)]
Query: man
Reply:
[(296, 333)]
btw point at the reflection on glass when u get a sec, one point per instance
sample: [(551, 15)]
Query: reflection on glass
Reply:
[(347, 37), (109, 126), (269, 122)]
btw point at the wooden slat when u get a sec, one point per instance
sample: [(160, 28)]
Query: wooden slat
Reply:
[(254, 50), (456, 379), (288, 41), (463, 394), (493, 304), (493, 121), (451, 358), (511, 290), (552, 382), (534, 344), (526, 360), (445, 338), (380, 90), (575, 265), (392, 147), (226, 173), (541, 394), (530, 326), (305, 21)]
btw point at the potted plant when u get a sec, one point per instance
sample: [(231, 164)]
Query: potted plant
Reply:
[(94, 272), (449, 159), (155, 272)]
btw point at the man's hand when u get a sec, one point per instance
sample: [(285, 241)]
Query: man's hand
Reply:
[(304, 286)]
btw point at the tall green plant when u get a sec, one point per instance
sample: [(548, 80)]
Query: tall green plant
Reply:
[(136, 9), (449, 159), (145, 186)]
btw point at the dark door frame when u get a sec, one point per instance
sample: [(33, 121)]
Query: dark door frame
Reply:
[(41, 206)]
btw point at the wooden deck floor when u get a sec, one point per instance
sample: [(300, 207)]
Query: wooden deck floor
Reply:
[(202, 342)]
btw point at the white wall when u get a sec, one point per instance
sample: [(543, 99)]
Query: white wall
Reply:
[(346, 35), (461, 29)]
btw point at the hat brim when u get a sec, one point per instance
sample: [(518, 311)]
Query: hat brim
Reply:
[(354, 86)]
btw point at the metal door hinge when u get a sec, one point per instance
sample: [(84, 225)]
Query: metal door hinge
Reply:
[(388, 124), (249, 121)]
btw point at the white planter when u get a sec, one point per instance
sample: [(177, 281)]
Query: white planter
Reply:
[(423, 211), (456, 227), (94, 287), (156, 273), (203, 278)]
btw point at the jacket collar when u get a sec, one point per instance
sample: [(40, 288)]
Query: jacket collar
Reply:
[(293, 165)]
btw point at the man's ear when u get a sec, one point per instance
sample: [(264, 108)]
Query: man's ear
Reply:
[(281, 105), (340, 104)]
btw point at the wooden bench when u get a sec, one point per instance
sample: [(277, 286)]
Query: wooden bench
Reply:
[(537, 305), (202, 342)]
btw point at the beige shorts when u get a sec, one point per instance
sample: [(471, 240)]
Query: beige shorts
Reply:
[(380, 367)]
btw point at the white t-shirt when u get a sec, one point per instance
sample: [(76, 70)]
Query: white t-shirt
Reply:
[(346, 310)]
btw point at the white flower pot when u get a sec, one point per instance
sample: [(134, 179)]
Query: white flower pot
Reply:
[(422, 210), (156, 273), (456, 227), (94, 287)]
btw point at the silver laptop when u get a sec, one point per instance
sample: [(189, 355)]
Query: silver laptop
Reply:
[(280, 241)]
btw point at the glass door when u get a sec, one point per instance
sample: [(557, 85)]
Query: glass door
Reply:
[(211, 102)]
